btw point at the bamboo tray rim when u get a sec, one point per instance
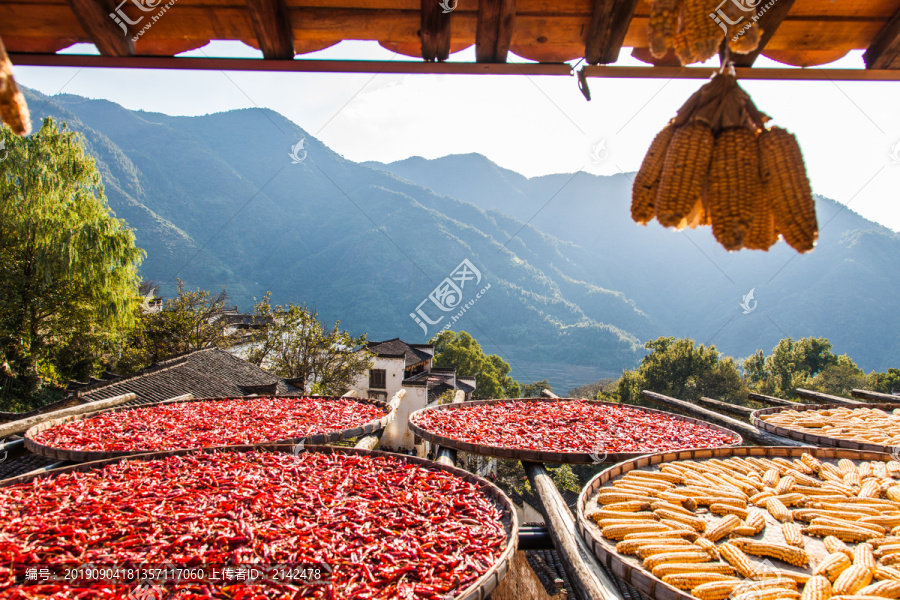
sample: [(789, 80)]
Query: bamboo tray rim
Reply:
[(93, 455), (547, 456), (642, 580), (822, 440), (480, 589)]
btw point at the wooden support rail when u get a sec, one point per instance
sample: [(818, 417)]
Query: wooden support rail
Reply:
[(876, 396), (587, 577), (726, 407), (821, 398), (772, 400), (23, 425), (749, 432)]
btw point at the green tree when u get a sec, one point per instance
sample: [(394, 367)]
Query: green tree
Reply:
[(885, 382), (491, 373), (68, 267), (792, 364), (295, 344), (534, 389), (680, 368), (840, 378)]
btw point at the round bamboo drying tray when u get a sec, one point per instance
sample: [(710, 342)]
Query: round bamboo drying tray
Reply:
[(542, 456), (479, 590), (629, 567), (820, 440), (91, 455)]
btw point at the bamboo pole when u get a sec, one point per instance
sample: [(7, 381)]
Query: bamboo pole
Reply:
[(726, 407), (181, 398), (588, 579), (748, 432), (772, 400), (821, 398), (24, 425), (876, 396), (368, 442)]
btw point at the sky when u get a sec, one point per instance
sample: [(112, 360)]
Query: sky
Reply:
[(849, 131)]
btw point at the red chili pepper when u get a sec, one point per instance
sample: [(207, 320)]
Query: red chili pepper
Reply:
[(569, 426), (210, 423), (387, 528)]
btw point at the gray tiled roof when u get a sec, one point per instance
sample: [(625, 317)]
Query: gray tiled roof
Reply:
[(397, 347)]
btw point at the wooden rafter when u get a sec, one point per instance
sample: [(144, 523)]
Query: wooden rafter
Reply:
[(769, 22), (435, 31), (272, 25), (99, 20), (493, 33), (884, 51), (609, 24)]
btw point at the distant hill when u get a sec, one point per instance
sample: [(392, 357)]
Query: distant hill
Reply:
[(575, 286)]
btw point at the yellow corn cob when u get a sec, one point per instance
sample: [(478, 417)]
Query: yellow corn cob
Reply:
[(817, 588), (756, 520), (789, 554), (614, 497), (745, 34), (736, 502), (718, 508), (876, 529), (634, 546), (892, 468), (865, 469), (881, 541), (886, 588), (882, 573), (853, 579), (843, 504), (856, 597), (886, 549), (852, 479), (686, 556), (811, 461), (803, 467), (743, 530), (686, 501), (813, 491), (609, 522), (684, 173), (721, 528), (765, 583), (846, 466), (674, 568), (799, 577), (883, 520), (701, 35), (633, 488), (737, 559), (847, 534), (651, 549), (715, 590), (833, 544), (761, 498), (778, 510), (734, 186), (863, 556), (709, 546), (768, 594), (643, 482), (692, 522), (771, 478), (792, 534), (688, 581), (833, 565), (631, 506), (785, 484), (663, 24), (893, 492), (662, 504), (786, 183), (791, 499), (604, 513), (687, 534), (845, 513), (655, 476), (890, 559), (618, 532)]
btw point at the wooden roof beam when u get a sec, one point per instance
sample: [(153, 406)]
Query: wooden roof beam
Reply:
[(493, 33), (884, 51), (609, 23), (272, 25), (435, 31), (106, 26), (769, 21)]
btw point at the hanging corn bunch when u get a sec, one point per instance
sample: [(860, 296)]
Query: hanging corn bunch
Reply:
[(696, 28), (13, 110), (717, 163)]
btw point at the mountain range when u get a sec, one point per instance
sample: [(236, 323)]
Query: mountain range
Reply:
[(568, 287)]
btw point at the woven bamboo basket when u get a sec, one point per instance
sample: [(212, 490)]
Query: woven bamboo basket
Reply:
[(478, 590), (541, 456), (90, 455), (820, 440), (629, 568)]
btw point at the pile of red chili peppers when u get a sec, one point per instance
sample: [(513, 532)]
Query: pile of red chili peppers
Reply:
[(387, 528), (568, 426), (211, 423)]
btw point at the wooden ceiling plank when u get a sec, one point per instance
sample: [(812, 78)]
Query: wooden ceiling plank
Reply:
[(505, 24), (273, 28), (609, 24), (435, 31), (769, 21), (884, 51), (109, 32), (493, 34)]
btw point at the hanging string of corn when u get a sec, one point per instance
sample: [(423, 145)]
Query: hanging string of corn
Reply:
[(696, 28), (718, 163), (13, 110)]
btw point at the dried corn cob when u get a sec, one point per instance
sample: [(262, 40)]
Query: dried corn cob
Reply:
[(852, 580), (647, 550), (616, 514), (13, 108), (718, 508), (663, 24), (833, 565), (734, 186), (792, 534), (688, 581), (886, 588), (717, 590), (687, 534), (833, 544), (709, 546), (789, 554), (630, 506), (882, 573), (768, 594), (684, 173), (673, 568), (738, 559), (614, 497), (785, 484), (792, 499), (686, 556), (690, 521), (761, 498), (877, 530), (845, 465), (743, 530), (722, 527), (634, 546), (863, 556), (686, 501), (771, 478), (778, 510), (756, 520), (785, 182), (817, 588), (655, 475), (618, 532), (766, 582), (698, 35), (847, 534), (811, 461)]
